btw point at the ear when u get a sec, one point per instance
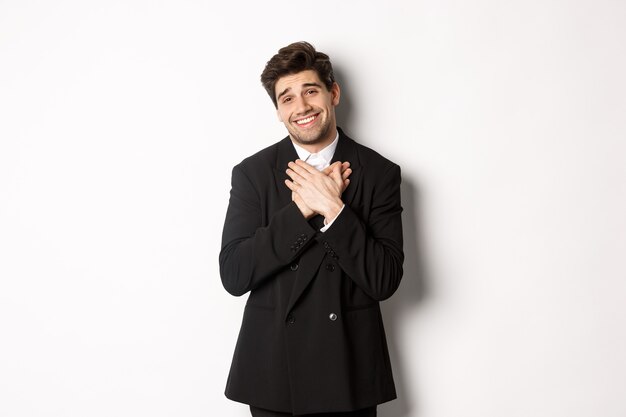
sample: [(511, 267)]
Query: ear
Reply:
[(335, 92)]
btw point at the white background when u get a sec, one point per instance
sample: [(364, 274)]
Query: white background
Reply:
[(120, 122)]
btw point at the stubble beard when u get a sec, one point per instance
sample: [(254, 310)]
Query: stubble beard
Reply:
[(310, 138)]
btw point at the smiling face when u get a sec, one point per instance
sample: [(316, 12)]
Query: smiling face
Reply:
[(307, 109)]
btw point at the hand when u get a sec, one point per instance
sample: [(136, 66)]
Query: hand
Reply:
[(319, 191), (304, 209), (340, 176)]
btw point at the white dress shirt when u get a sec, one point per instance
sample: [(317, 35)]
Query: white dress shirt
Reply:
[(320, 161)]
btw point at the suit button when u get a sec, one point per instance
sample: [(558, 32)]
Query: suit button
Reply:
[(291, 319), (294, 266), (330, 267), (332, 316)]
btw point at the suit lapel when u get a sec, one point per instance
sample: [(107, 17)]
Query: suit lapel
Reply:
[(286, 153), (346, 151)]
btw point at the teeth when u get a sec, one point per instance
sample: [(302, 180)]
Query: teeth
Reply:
[(304, 121)]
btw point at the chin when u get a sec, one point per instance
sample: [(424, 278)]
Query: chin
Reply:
[(309, 138), (308, 141)]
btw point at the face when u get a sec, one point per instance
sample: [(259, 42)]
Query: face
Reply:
[(307, 109)]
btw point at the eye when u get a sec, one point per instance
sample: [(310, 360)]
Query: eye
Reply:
[(286, 99), (309, 92)]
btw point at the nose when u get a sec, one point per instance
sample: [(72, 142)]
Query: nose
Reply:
[(302, 106)]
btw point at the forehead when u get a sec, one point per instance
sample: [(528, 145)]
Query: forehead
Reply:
[(296, 80)]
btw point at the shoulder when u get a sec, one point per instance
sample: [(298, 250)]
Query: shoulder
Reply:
[(370, 157), (373, 161)]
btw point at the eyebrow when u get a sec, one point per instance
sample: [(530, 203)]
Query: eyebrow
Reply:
[(286, 90)]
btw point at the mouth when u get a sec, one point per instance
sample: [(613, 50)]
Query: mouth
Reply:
[(306, 121)]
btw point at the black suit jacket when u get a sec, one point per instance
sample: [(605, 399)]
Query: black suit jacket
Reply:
[(312, 337)]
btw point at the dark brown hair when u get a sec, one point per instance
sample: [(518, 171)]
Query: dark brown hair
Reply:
[(294, 58)]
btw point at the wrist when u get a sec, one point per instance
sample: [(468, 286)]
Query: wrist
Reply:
[(333, 211)]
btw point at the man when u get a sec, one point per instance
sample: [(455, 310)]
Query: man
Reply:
[(313, 231)]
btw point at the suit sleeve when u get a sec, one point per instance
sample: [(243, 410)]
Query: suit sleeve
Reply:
[(371, 253), (252, 252)]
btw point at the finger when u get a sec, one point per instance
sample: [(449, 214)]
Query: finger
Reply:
[(346, 173), (302, 170), (291, 185), (306, 167), (346, 182), (344, 166), (329, 168), (337, 175), (295, 176)]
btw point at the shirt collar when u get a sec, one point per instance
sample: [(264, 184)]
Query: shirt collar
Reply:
[(327, 153)]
